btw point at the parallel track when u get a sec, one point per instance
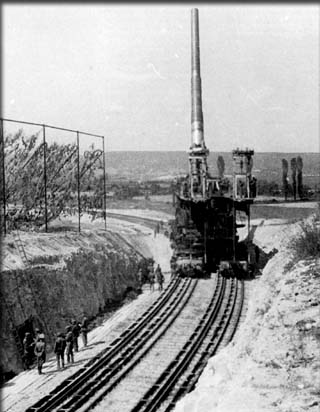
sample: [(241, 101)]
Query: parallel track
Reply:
[(151, 319), (220, 334), (180, 367), (91, 385)]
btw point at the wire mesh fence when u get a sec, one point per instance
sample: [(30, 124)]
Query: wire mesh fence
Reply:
[(48, 172)]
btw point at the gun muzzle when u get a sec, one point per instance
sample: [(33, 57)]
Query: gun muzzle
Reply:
[(197, 138)]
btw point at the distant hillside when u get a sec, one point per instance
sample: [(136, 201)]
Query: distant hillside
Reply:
[(153, 165)]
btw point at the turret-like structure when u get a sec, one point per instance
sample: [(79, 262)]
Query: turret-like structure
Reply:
[(204, 232)]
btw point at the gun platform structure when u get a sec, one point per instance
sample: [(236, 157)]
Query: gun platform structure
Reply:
[(204, 231)]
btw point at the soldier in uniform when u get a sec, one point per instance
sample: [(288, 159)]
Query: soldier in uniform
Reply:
[(28, 346), (69, 345), (40, 336), (84, 331), (40, 352), (59, 348), (160, 277), (76, 332)]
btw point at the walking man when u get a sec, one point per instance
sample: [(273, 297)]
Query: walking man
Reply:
[(40, 352), (59, 348)]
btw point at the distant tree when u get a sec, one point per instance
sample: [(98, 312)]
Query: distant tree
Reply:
[(285, 178), (24, 172), (293, 175), (221, 166), (299, 176)]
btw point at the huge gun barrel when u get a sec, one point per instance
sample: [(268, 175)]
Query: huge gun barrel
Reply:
[(197, 138)]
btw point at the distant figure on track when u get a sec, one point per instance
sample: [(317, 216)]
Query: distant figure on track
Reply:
[(151, 279), (69, 345), (84, 331), (156, 229), (40, 352), (160, 277), (75, 332), (59, 348)]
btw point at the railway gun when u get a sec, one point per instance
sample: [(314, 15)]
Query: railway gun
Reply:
[(204, 231)]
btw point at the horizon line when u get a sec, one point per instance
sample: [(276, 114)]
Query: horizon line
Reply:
[(217, 151)]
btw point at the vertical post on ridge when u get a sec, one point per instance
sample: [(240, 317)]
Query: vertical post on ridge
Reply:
[(45, 176), (3, 179), (78, 180)]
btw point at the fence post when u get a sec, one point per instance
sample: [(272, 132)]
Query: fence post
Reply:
[(104, 186), (45, 176), (78, 181), (3, 179)]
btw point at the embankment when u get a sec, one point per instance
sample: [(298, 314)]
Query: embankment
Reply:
[(68, 275), (273, 363)]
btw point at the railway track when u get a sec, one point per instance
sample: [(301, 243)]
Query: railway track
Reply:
[(158, 358), (159, 381), (223, 326), (119, 349)]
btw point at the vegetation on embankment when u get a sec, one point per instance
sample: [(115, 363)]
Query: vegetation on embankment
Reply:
[(307, 242), (274, 361)]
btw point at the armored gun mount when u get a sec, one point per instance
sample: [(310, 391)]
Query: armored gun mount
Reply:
[(204, 232)]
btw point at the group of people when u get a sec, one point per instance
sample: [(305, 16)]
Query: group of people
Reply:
[(68, 342), (65, 343), (152, 277)]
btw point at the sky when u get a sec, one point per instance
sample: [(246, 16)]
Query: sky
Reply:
[(123, 71)]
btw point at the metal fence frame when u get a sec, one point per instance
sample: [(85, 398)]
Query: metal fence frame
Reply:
[(44, 126)]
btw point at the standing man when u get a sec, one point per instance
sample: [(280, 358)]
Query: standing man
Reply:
[(40, 336), (28, 350), (69, 345), (160, 277), (84, 331), (59, 348), (76, 332), (40, 352)]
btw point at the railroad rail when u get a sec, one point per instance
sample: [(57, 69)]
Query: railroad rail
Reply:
[(220, 334), (184, 367), (106, 373), (103, 378), (181, 375)]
